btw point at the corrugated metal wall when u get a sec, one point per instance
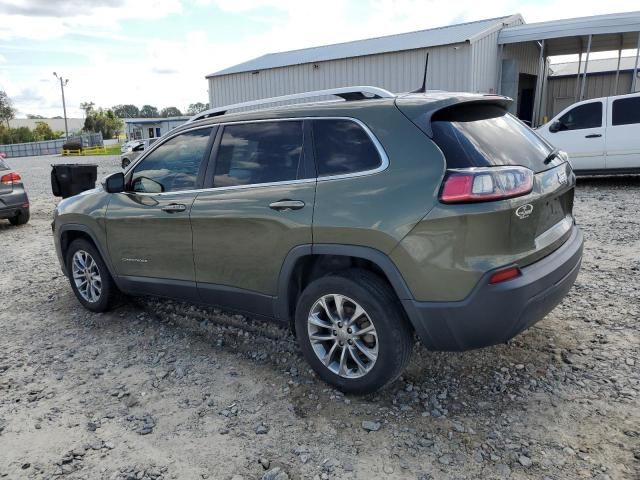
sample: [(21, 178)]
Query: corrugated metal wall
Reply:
[(484, 64), (562, 90), (449, 69), (526, 55), (484, 61)]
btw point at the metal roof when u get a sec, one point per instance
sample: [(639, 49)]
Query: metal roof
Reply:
[(610, 32), (601, 65), (459, 33)]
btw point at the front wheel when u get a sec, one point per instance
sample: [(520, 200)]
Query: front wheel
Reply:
[(89, 277), (352, 331)]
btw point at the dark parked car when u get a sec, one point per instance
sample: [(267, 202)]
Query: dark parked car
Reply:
[(357, 223), (14, 203)]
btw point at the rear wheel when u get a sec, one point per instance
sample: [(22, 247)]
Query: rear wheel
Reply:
[(126, 162), (89, 277), (352, 331), (21, 218)]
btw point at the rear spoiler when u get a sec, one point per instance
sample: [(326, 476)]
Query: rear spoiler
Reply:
[(420, 108)]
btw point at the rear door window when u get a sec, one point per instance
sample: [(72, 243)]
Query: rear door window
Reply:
[(588, 115), (486, 135), (626, 111), (260, 152), (342, 147)]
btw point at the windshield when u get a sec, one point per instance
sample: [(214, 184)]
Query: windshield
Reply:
[(486, 135)]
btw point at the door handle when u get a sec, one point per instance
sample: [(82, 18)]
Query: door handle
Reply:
[(593, 135), (286, 204), (174, 207)]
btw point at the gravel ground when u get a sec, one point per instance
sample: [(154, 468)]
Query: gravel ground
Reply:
[(158, 389)]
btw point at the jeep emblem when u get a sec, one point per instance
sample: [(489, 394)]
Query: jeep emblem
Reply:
[(562, 177), (524, 211)]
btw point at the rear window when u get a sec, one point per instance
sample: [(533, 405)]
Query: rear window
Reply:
[(626, 111), (342, 146), (485, 136)]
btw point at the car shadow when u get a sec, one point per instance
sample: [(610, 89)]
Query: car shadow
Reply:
[(610, 181)]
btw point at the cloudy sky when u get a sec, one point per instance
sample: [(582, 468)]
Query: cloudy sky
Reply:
[(158, 51)]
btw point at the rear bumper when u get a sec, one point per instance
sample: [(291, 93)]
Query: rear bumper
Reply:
[(493, 314), (13, 203)]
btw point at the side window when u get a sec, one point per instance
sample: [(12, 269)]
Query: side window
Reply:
[(260, 152), (588, 115), (174, 165), (626, 111), (342, 146)]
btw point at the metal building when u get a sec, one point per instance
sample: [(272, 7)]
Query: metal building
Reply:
[(498, 55), (461, 57), (144, 128), (603, 79)]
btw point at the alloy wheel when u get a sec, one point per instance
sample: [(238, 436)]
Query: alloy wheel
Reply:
[(86, 276), (343, 336)]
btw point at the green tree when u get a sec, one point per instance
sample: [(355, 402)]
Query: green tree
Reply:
[(170, 112), (197, 108), (22, 135), (42, 131), (7, 112), (87, 107), (104, 121), (126, 111), (149, 111)]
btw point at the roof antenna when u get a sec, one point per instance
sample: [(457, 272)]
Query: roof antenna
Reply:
[(423, 88)]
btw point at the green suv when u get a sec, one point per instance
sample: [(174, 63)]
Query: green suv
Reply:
[(356, 222)]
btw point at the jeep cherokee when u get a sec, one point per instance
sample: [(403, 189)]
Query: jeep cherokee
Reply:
[(357, 222)]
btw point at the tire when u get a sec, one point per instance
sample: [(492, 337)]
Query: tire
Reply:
[(392, 343), (21, 218), (125, 163), (108, 290)]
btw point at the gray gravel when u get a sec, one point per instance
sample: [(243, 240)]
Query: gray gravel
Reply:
[(159, 389)]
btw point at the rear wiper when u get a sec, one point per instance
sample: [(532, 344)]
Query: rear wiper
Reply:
[(553, 154)]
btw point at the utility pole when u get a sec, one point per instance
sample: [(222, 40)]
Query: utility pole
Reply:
[(63, 83)]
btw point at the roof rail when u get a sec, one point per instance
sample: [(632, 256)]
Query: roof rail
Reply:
[(347, 93)]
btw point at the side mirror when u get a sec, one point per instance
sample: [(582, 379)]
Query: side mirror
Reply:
[(114, 183), (554, 127)]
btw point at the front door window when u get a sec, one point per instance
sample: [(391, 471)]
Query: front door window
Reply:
[(173, 166)]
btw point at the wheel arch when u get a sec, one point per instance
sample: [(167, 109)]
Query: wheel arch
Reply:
[(72, 231), (304, 256)]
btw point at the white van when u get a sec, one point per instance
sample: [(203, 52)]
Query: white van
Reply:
[(601, 135)]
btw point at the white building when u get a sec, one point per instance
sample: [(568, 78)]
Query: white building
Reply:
[(499, 55), (56, 124), (143, 128)]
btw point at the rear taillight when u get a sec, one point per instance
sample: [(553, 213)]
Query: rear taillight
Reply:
[(10, 178), (484, 184)]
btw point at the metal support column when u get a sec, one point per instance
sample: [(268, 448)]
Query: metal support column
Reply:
[(615, 87), (535, 121), (575, 97), (586, 66), (499, 70), (634, 81)]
